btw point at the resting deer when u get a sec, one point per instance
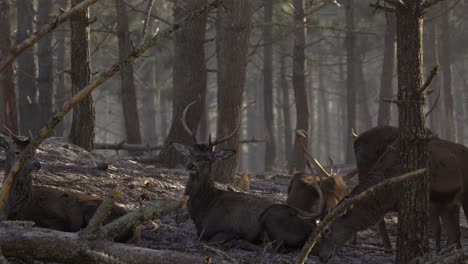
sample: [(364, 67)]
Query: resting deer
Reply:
[(221, 215), (48, 207), (448, 176), (303, 192)]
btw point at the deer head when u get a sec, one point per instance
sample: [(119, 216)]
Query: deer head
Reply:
[(201, 156)]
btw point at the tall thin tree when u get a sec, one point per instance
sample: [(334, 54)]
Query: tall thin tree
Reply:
[(386, 81), (297, 160), (232, 35), (7, 84), (127, 82), (350, 43), (27, 70), (189, 79), (270, 148), (84, 116), (45, 82)]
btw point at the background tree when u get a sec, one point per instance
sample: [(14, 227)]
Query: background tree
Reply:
[(270, 149), (189, 79), (27, 70), (351, 89), (7, 85), (127, 82), (232, 35), (82, 131)]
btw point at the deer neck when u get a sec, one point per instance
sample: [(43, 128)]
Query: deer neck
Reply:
[(201, 193), (20, 193)]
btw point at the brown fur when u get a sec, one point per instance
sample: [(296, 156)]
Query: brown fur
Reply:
[(448, 173), (52, 208)]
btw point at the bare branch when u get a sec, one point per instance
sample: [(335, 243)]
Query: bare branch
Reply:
[(382, 7), (435, 104), (391, 101), (338, 211), (429, 3), (58, 117), (428, 81), (44, 30), (147, 20)]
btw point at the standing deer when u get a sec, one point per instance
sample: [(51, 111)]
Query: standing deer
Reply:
[(48, 207), (221, 215), (448, 177)]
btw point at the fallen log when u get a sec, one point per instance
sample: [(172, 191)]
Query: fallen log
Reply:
[(50, 245)]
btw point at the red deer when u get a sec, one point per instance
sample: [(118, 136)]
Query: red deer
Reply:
[(303, 191), (224, 215), (448, 175), (48, 207)]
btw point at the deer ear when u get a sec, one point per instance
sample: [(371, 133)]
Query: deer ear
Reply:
[(224, 154), (182, 149)]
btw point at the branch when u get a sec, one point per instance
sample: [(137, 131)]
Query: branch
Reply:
[(44, 30), (125, 146), (435, 104), (429, 3), (431, 76), (452, 257), (136, 217), (101, 214), (147, 20), (391, 101), (382, 7), (58, 117), (341, 208)]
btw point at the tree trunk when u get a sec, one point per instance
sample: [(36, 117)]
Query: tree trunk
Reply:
[(324, 115), (431, 59), (351, 59), (189, 79), (297, 160), (445, 63), (414, 206), (61, 92), (7, 85), (285, 105), (82, 131), (365, 115), (45, 83), (127, 82), (270, 148), (386, 81), (149, 107), (27, 71), (232, 35)]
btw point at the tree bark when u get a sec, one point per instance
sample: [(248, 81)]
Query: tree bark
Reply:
[(270, 148), (150, 135), (62, 92), (324, 115), (45, 82), (386, 81), (285, 105), (189, 79), (27, 71), (446, 67), (297, 160), (84, 116), (232, 35), (365, 115), (431, 58), (350, 79), (414, 206), (7, 85), (127, 82)]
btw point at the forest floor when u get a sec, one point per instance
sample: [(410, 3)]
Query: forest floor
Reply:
[(68, 167)]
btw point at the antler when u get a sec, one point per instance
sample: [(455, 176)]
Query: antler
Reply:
[(184, 124), (219, 141), (353, 132), (317, 164)]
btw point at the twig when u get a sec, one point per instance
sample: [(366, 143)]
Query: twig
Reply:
[(101, 214), (44, 30), (218, 252), (146, 23), (338, 211), (100, 257), (435, 104), (429, 3), (391, 101), (429, 79), (58, 117), (136, 217), (386, 250)]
